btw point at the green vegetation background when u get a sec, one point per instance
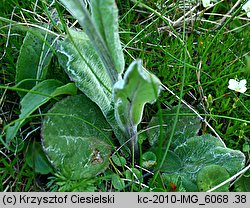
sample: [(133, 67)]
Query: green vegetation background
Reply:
[(214, 55)]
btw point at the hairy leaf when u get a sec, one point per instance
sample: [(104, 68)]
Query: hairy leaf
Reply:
[(105, 17), (131, 94), (200, 151), (173, 163), (187, 126), (76, 138), (79, 59), (78, 9)]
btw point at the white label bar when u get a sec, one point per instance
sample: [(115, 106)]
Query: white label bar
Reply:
[(128, 200)]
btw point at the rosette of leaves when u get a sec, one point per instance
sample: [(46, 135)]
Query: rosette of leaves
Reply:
[(74, 131), (93, 59), (198, 163)]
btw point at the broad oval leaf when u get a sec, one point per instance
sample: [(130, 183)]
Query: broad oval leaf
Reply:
[(173, 163), (206, 149), (211, 176), (76, 138), (200, 151)]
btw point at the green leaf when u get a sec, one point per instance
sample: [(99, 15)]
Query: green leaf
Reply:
[(206, 149), (200, 151), (211, 176), (83, 185), (76, 138), (68, 89), (173, 163), (34, 58), (37, 159), (118, 160), (117, 182), (105, 17), (85, 68), (187, 126), (78, 9), (130, 96), (243, 184), (149, 160), (247, 173), (39, 95)]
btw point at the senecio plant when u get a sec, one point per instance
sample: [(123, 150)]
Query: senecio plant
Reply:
[(81, 133)]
